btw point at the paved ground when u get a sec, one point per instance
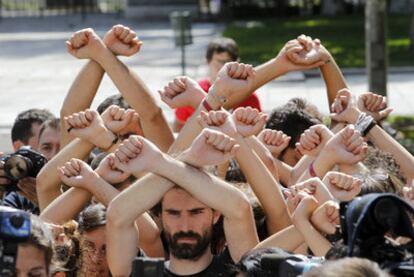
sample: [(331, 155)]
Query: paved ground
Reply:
[(36, 71)]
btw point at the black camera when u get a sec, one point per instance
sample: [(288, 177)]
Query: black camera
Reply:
[(23, 163), (365, 223), (147, 267), (15, 228), (289, 265)]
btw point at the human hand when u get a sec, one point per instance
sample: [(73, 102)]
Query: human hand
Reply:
[(122, 41), (4, 181), (375, 105), (313, 140), (248, 121), (77, 173), (313, 187), (275, 141), (85, 44), (344, 108), (326, 217), (118, 120), (303, 53), (136, 155), (346, 147), (233, 78), (408, 193), (109, 172), (182, 91), (210, 148), (218, 120), (27, 188), (343, 187), (306, 206), (88, 125)]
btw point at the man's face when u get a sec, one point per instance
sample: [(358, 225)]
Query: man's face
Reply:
[(217, 62), (187, 223), (49, 143), (93, 258), (30, 262), (34, 140)]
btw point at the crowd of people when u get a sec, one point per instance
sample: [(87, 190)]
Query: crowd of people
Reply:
[(232, 184)]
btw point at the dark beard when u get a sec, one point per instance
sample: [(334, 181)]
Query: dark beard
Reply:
[(188, 251)]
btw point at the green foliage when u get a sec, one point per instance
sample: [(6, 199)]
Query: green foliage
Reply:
[(344, 37), (405, 127)]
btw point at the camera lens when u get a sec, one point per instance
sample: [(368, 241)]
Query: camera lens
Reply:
[(17, 167)]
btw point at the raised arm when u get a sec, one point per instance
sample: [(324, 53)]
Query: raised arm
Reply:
[(86, 84), (243, 123), (345, 147), (234, 78), (135, 92), (373, 105), (137, 155)]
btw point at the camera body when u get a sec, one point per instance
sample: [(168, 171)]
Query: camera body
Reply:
[(366, 220), (23, 163), (15, 227), (289, 265)]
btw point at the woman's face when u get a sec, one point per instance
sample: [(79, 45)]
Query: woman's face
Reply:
[(93, 253), (31, 262)]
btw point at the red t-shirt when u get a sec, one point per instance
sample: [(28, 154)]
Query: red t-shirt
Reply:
[(184, 113)]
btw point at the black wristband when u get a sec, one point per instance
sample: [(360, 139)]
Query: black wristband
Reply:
[(370, 126)]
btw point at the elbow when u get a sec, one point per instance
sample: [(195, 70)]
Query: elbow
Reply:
[(115, 218), (41, 180), (244, 209), (153, 116)]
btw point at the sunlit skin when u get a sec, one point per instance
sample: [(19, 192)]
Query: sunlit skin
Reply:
[(49, 142), (30, 261), (216, 63), (183, 213)]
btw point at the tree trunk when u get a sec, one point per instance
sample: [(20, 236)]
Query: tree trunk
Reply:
[(376, 46), (412, 33)]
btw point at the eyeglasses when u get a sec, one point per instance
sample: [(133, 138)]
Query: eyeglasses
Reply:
[(90, 249)]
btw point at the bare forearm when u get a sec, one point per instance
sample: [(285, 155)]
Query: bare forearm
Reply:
[(81, 94), (66, 207), (209, 189), (268, 71), (299, 169), (288, 239), (264, 186), (138, 95), (321, 165), (264, 155), (316, 242), (386, 143), (334, 80), (48, 181)]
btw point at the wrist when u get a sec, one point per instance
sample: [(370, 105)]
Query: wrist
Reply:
[(323, 163), (198, 98), (327, 59), (354, 114), (92, 182), (186, 157), (104, 56), (300, 221), (106, 140)]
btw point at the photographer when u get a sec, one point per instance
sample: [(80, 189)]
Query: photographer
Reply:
[(34, 253), (29, 129)]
